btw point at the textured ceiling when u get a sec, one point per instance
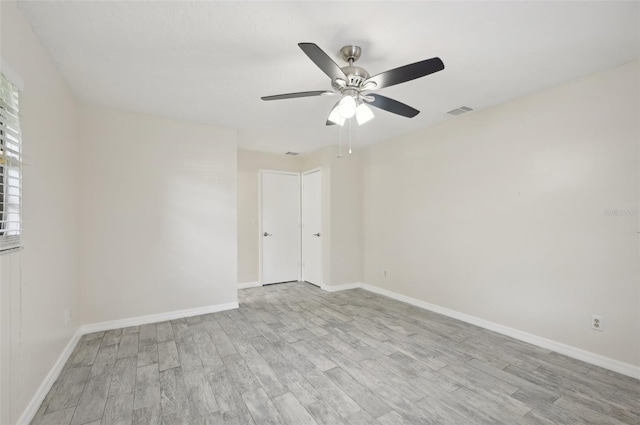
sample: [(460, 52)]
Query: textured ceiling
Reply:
[(211, 61)]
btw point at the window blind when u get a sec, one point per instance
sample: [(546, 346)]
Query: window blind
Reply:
[(10, 167)]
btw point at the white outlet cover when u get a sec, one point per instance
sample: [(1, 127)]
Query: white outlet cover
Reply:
[(597, 323)]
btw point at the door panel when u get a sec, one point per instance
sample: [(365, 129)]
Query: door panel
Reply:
[(280, 195), (312, 227)]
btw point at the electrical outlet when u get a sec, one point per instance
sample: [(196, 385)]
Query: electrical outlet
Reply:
[(67, 316), (596, 323), (384, 273)]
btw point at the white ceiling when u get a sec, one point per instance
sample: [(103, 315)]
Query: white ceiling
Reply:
[(211, 61)]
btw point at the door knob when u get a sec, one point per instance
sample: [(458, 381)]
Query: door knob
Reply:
[(317, 234), (265, 234)]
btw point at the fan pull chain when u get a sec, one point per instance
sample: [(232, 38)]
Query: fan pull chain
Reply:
[(350, 136), (340, 150)]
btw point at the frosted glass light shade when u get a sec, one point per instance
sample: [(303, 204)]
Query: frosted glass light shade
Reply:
[(347, 107), (363, 114), (335, 116)]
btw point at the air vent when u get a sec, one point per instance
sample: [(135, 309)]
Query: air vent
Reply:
[(293, 153), (459, 111)]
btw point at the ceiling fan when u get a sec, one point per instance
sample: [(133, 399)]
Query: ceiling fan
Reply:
[(355, 85)]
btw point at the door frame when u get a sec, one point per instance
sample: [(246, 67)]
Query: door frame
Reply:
[(261, 172), (304, 173)]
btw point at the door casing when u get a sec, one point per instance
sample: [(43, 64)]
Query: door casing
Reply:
[(320, 229)]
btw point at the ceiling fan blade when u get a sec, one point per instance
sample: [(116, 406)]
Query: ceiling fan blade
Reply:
[(322, 60), (299, 94), (406, 73), (393, 106)]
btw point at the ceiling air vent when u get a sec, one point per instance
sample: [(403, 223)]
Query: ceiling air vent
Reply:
[(293, 153), (459, 111)]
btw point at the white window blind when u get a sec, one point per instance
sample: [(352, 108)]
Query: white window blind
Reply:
[(10, 167)]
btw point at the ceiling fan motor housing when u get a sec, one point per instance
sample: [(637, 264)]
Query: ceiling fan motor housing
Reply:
[(355, 75)]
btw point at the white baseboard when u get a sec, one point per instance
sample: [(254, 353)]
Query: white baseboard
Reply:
[(343, 287), (33, 406), (246, 285), (153, 318), (568, 350)]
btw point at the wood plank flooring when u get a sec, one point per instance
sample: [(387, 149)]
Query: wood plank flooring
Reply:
[(295, 355)]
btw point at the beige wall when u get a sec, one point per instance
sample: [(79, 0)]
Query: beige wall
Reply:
[(39, 283), (159, 215), (346, 219), (249, 164), (500, 214)]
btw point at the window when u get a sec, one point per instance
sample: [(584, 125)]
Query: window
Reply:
[(10, 167)]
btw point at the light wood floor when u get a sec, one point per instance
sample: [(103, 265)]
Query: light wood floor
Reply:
[(293, 354)]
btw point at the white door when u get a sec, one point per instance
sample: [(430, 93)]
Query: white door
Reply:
[(312, 227), (280, 226)]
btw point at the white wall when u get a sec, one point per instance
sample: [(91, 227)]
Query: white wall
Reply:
[(500, 214), (159, 215), (249, 164), (40, 282)]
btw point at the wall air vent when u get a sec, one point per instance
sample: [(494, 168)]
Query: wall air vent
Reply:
[(293, 153), (459, 111)]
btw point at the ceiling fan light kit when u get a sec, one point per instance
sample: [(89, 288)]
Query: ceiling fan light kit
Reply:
[(335, 117)]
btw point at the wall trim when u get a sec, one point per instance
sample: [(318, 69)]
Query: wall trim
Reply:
[(153, 318), (568, 350), (32, 408), (342, 287), (246, 285)]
